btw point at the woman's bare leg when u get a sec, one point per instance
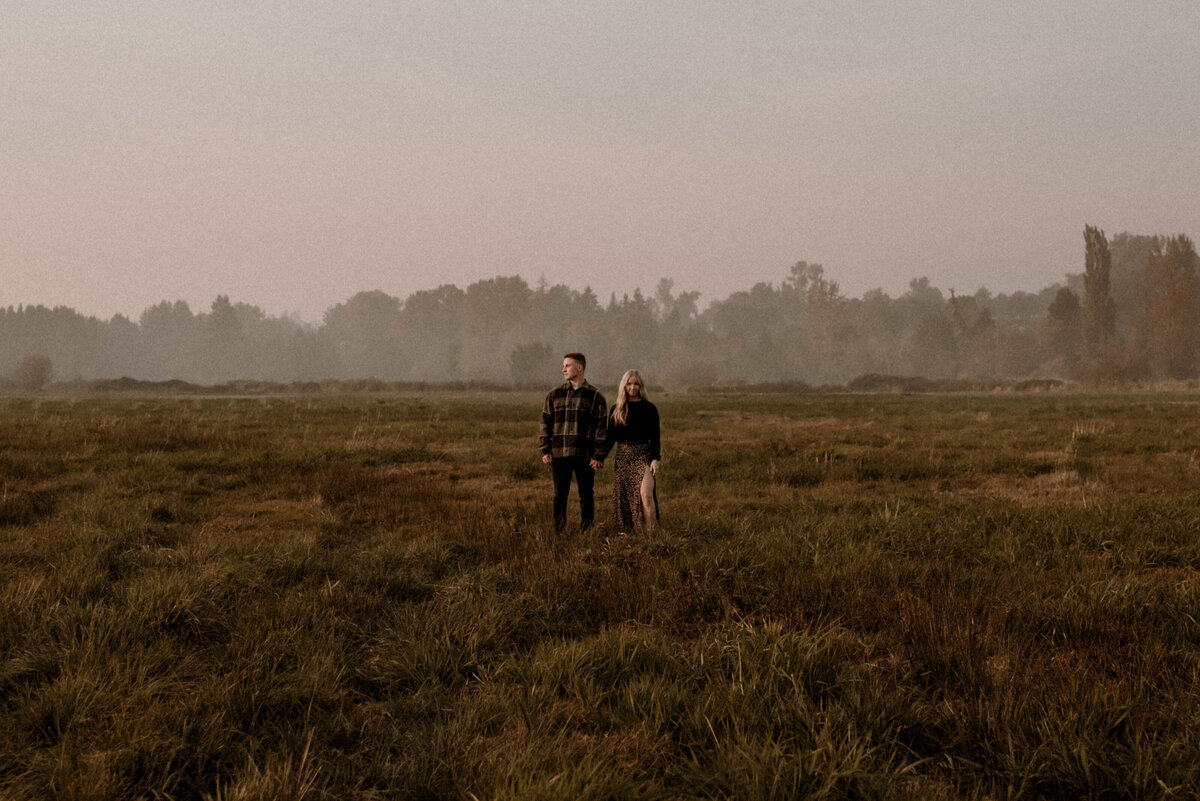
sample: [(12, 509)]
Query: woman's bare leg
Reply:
[(649, 511)]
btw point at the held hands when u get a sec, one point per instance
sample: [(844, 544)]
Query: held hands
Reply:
[(592, 463)]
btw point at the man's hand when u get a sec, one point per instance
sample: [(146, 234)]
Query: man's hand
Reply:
[(595, 465), (547, 458)]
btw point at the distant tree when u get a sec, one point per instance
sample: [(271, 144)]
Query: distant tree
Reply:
[(679, 334), (587, 300), (223, 352), (1017, 352), (672, 308), (307, 355), (957, 313), (752, 335), (880, 316), (171, 341), (1128, 254), (365, 332), (664, 300), (1173, 307), (122, 349), (922, 292), (34, 372), (634, 333), (1099, 307), (921, 300), (533, 362), (432, 333), (493, 313), (933, 349), (1063, 334), (980, 338), (808, 282)]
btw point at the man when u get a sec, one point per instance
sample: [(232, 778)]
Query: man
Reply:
[(573, 429)]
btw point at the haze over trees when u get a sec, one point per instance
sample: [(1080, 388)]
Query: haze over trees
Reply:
[(1132, 314)]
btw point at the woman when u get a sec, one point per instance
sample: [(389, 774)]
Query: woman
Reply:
[(633, 426)]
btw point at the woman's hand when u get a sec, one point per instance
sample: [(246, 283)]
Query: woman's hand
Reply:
[(654, 467)]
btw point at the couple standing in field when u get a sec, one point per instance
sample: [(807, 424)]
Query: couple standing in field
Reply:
[(578, 431)]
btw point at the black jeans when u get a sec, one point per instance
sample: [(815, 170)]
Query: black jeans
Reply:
[(564, 467)]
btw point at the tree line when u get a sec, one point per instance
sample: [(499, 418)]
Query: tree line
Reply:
[(1133, 313)]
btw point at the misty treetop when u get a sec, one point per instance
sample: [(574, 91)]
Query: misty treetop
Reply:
[(1133, 313)]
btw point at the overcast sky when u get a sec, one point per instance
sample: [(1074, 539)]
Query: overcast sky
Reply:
[(290, 154)]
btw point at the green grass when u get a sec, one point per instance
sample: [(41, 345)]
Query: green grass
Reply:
[(361, 597)]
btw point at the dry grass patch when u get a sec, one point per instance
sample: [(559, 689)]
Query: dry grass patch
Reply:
[(888, 597)]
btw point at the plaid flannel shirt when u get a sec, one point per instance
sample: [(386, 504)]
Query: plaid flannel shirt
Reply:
[(575, 422)]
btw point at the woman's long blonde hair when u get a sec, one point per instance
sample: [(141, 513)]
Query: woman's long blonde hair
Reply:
[(620, 412)]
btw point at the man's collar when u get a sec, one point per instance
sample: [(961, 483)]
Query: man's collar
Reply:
[(583, 383)]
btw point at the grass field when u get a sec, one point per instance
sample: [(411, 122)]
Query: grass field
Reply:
[(360, 597)]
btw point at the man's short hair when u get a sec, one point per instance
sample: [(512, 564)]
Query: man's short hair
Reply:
[(579, 357)]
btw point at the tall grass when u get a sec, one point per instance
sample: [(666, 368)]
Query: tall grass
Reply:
[(857, 596)]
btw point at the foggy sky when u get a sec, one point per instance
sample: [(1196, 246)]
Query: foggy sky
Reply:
[(290, 154)]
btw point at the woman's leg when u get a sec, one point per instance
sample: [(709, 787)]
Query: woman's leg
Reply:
[(649, 510)]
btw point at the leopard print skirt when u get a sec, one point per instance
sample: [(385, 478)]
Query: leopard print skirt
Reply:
[(632, 461)]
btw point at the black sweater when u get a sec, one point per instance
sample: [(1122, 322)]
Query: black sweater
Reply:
[(641, 425)]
